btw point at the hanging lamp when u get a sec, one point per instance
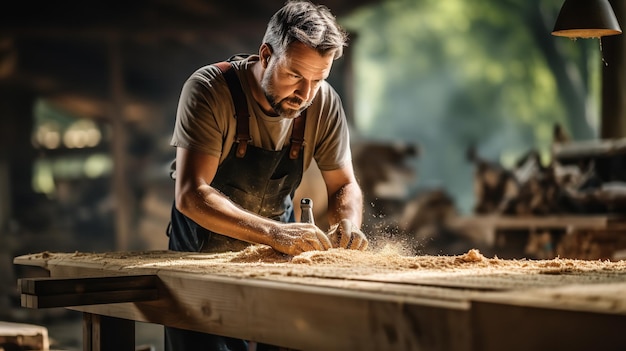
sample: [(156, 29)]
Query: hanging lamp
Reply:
[(586, 19)]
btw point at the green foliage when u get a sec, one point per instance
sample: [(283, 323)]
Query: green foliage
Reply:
[(448, 74)]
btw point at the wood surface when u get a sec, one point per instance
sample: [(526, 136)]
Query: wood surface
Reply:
[(51, 292), (324, 307)]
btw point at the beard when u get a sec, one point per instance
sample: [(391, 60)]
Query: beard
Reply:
[(282, 106)]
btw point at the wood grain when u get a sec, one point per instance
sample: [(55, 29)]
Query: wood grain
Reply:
[(459, 305), (59, 292)]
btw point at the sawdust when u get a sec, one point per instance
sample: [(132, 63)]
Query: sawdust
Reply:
[(385, 270), (471, 270), (263, 260)]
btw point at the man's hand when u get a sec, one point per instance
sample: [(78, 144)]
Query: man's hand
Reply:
[(295, 238), (347, 235)]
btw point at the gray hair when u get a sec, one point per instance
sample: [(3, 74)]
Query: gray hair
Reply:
[(313, 25)]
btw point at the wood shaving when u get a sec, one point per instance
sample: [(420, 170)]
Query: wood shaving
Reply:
[(260, 260)]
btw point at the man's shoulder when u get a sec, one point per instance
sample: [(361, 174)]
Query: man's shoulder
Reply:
[(327, 97), (239, 57), (205, 75), (209, 72)]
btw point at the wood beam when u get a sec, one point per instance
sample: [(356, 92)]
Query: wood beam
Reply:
[(613, 116), (53, 292), (124, 201)]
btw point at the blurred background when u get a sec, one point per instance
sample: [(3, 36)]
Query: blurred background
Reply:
[(440, 95)]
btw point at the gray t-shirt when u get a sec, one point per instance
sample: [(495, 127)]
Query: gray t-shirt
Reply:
[(205, 122)]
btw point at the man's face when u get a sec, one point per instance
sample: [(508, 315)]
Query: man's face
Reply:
[(290, 82)]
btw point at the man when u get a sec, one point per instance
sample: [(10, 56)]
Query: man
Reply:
[(236, 175)]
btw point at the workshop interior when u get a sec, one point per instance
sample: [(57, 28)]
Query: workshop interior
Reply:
[(488, 137)]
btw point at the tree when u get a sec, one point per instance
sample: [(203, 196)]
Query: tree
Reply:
[(448, 74)]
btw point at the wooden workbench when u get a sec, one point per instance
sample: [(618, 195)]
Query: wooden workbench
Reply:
[(348, 300)]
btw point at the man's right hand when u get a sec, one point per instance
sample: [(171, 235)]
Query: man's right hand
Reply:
[(295, 238), (347, 235)]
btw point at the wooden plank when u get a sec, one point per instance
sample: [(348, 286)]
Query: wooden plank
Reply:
[(66, 300), (589, 148), (607, 298), (298, 316), (499, 326), (23, 336), (51, 292), (121, 187), (52, 286), (596, 222)]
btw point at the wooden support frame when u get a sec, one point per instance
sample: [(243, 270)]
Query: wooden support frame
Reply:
[(51, 292), (102, 333)]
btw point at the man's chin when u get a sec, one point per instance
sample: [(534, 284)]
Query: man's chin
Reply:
[(293, 115), (290, 113)]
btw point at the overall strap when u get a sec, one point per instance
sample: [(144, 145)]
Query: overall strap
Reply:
[(297, 135), (241, 107), (241, 113)]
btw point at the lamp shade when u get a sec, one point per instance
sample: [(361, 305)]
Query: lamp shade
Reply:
[(586, 19)]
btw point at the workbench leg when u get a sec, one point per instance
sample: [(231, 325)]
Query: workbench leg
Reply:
[(102, 333)]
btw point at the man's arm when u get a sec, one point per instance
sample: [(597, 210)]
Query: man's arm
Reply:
[(345, 199), (345, 208), (211, 209)]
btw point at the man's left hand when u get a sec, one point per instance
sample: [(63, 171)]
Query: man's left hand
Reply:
[(347, 235)]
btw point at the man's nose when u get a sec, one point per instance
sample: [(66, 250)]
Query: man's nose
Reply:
[(304, 90)]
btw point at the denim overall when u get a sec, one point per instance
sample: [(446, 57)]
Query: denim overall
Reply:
[(259, 180)]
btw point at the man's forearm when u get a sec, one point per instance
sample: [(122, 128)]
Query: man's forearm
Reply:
[(214, 211), (346, 203)]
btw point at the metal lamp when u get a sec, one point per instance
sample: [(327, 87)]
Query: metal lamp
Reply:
[(586, 19)]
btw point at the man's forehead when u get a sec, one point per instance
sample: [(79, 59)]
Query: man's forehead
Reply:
[(301, 57)]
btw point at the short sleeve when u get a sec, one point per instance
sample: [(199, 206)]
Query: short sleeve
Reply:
[(200, 116)]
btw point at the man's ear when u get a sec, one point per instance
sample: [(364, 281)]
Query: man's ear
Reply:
[(265, 52)]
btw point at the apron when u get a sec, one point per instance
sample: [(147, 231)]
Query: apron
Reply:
[(261, 181)]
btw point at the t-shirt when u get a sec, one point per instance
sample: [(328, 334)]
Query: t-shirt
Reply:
[(205, 119)]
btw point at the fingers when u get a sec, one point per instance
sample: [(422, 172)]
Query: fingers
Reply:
[(324, 241), (363, 245), (358, 242), (333, 236), (320, 242), (308, 237), (310, 245), (347, 235), (315, 241), (303, 245)]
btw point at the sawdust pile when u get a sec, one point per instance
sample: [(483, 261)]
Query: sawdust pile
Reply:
[(385, 270), (262, 260)]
